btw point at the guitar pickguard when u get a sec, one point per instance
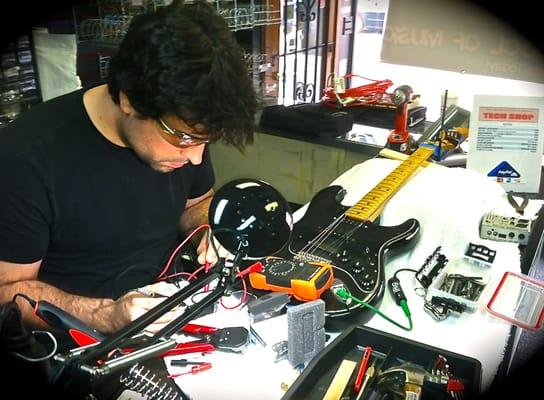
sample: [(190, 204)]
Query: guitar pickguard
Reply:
[(355, 249)]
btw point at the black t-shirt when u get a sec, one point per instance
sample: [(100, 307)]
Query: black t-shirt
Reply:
[(101, 219)]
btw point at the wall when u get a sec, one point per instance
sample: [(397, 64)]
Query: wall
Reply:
[(298, 169)]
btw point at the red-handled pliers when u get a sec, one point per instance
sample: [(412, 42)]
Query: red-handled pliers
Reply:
[(234, 339)]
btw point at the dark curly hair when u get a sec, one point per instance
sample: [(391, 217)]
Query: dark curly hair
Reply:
[(184, 60)]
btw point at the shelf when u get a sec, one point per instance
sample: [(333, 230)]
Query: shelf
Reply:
[(11, 81), (29, 99), (111, 29), (20, 91), (255, 23)]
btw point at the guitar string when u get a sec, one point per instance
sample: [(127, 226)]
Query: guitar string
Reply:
[(317, 241), (404, 170), (401, 170), (321, 237), (335, 245), (325, 234)]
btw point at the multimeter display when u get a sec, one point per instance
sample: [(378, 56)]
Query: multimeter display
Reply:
[(304, 280)]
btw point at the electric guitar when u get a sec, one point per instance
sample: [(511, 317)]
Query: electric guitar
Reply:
[(347, 238)]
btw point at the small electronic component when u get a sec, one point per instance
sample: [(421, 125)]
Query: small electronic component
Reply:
[(505, 229), (440, 307), (480, 254), (267, 306), (436, 311), (431, 268), (281, 350), (396, 290)]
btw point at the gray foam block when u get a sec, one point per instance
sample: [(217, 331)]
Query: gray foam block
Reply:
[(306, 331)]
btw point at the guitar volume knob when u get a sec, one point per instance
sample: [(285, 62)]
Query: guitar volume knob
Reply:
[(357, 268)]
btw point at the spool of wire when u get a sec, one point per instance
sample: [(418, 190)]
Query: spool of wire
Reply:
[(141, 380)]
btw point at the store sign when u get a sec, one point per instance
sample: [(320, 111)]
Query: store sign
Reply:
[(456, 36), (506, 140)]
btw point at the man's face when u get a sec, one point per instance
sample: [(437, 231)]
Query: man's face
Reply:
[(165, 144)]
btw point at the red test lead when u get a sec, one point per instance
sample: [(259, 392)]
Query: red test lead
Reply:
[(362, 368), (195, 369)]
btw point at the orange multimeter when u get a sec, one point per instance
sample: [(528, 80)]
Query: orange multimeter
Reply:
[(306, 281)]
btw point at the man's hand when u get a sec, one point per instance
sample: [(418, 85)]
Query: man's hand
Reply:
[(135, 304), (195, 214), (207, 254)]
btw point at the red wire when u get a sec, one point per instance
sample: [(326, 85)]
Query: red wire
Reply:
[(191, 276), (206, 267), (178, 274), (361, 95), (242, 300), (161, 276)]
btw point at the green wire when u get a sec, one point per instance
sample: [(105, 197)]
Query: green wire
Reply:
[(403, 304)]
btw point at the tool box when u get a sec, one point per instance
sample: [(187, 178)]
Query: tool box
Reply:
[(449, 375)]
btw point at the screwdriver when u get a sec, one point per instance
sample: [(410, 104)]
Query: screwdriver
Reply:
[(362, 368)]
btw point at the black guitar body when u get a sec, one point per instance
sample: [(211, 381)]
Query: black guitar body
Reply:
[(355, 249)]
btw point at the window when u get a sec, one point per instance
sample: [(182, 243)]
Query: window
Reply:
[(319, 38)]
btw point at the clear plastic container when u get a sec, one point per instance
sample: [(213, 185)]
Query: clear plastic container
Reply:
[(519, 300), (462, 281)]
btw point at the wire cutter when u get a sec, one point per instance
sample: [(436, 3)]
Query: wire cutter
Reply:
[(233, 339)]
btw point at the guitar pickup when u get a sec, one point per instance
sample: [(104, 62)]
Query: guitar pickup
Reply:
[(431, 268)]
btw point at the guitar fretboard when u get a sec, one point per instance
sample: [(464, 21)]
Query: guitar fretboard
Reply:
[(371, 205)]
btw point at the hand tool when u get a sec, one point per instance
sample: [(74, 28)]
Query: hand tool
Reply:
[(362, 368), (368, 375), (234, 339)]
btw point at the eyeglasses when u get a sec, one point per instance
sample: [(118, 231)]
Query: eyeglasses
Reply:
[(179, 138)]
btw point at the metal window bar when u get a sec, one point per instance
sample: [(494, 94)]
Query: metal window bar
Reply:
[(301, 79)]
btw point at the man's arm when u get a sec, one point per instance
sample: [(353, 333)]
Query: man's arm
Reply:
[(104, 315), (196, 212)]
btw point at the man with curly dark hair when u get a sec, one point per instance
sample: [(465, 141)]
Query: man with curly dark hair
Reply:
[(100, 185)]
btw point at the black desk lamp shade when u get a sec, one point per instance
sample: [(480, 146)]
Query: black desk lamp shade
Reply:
[(253, 214)]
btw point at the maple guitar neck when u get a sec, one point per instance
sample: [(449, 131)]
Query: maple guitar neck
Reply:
[(370, 206)]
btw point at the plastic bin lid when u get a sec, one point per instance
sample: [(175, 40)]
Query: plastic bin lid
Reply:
[(519, 300)]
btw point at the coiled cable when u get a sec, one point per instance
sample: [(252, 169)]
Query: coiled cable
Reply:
[(141, 380)]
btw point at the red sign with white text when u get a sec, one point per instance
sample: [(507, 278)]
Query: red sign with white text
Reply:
[(500, 114)]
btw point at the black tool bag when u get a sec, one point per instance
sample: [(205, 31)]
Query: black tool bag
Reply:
[(312, 119)]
